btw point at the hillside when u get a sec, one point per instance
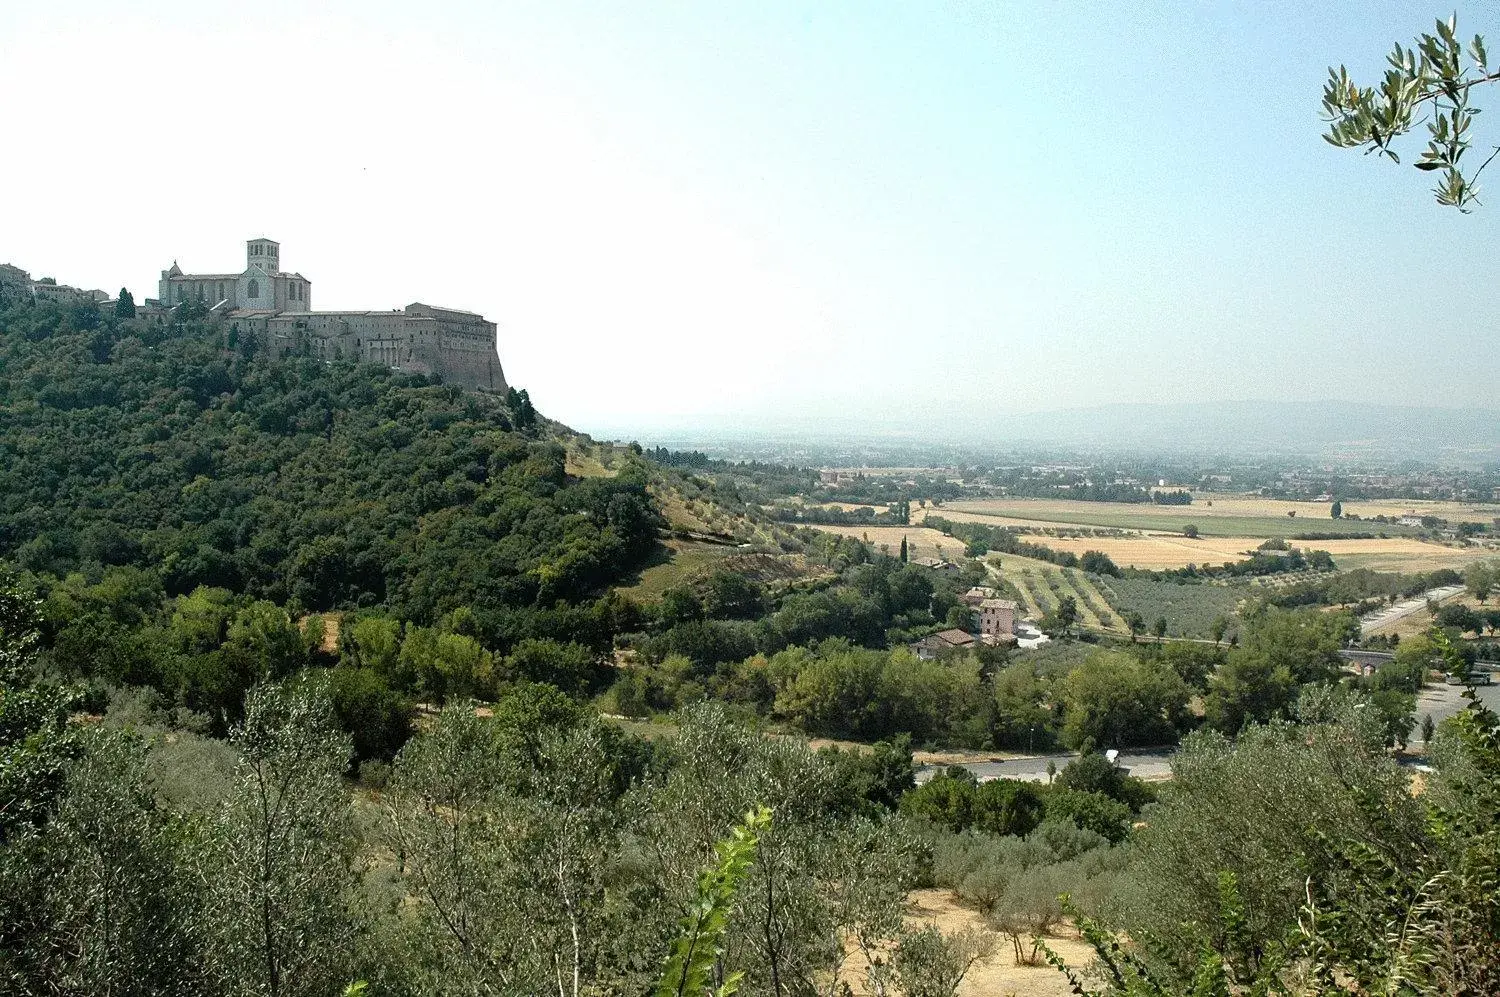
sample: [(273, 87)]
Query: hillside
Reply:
[(321, 485)]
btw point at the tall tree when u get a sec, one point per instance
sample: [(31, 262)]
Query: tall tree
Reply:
[(281, 883), (125, 304), (1479, 579)]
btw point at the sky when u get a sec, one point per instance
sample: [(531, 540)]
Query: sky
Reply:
[(868, 213)]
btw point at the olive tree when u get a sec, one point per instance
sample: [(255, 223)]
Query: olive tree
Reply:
[(280, 879), (1431, 82)]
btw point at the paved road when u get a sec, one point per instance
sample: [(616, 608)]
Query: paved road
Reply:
[(1146, 764), (1443, 701), (1401, 610)]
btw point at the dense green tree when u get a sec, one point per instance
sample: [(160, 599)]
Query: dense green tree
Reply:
[(1192, 662), (125, 304), (879, 776), (733, 596), (1115, 699), (1000, 806), (1062, 618), (377, 718), (570, 667), (1258, 807), (1090, 811), (288, 478), (1479, 579), (1248, 688), (447, 665), (36, 740), (1093, 773), (1024, 701)]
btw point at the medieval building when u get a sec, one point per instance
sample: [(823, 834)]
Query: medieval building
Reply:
[(273, 309)]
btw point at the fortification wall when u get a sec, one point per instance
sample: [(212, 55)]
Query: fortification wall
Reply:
[(457, 346)]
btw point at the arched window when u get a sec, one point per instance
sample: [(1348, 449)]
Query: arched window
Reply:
[(253, 291)]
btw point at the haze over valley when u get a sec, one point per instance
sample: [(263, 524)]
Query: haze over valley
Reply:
[(781, 500)]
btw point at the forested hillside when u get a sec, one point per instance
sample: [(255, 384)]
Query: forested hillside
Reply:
[(294, 480)]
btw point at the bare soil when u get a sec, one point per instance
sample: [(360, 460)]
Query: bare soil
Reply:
[(996, 975)]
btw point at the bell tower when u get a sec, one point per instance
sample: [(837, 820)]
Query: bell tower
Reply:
[(263, 253)]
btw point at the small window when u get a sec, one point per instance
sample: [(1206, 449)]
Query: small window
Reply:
[(253, 291)]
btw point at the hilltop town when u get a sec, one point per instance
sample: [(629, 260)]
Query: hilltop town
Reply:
[(272, 309)]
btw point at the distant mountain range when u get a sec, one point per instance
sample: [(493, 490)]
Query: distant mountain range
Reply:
[(1333, 427), (1336, 430)]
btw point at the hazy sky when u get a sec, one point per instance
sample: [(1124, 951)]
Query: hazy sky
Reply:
[(765, 210)]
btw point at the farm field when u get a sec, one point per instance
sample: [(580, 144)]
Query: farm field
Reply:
[(921, 541), (1162, 551), (1233, 516), (1352, 554), (957, 515), (1190, 610), (1155, 552), (1036, 580)]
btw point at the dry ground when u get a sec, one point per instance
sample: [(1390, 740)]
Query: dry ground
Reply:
[(921, 541), (1418, 622), (996, 975), (1160, 551), (1166, 551), (1427, 557), (587, 464)]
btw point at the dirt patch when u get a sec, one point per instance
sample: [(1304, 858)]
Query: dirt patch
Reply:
[(996, 975), (331, 622)]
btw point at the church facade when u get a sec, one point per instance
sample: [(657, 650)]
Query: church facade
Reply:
[(273, 309), (262, 286)]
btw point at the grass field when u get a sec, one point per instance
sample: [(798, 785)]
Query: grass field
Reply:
[(681, 561), (957, 515), (583, 463), (1190, 610), (1427, 557)]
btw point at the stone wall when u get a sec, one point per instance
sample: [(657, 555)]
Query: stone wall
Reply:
[(457, 346)]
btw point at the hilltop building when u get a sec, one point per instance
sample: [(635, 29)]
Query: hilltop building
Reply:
[(262, 286), (273, 308), (16, 285)]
